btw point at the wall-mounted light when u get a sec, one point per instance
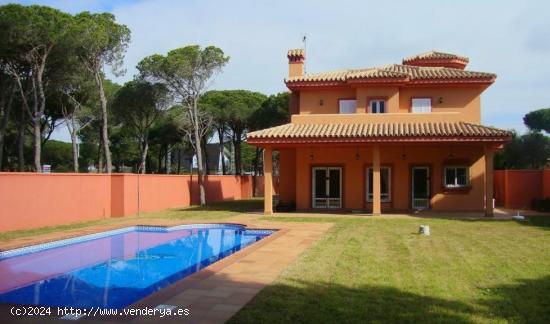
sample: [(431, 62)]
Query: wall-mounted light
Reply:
[(451, 152), (311, 157), (440, 100), (357, 156), (321, 102), (403, 155)]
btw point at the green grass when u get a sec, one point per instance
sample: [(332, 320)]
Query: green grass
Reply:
[(377, 269), (380, 270), (213, 211)]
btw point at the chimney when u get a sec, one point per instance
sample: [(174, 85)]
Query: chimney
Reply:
[(296, 58)]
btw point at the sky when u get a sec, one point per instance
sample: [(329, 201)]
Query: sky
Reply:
[(509, 38)]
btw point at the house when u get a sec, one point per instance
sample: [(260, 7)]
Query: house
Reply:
[(397, 137)]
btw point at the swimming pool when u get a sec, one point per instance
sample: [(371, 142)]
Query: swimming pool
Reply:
[(114, 269)]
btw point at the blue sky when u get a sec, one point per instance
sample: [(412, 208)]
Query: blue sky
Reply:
[(509, 38)]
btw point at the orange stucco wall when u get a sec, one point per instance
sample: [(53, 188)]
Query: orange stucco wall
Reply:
[(464, 100), (354, 174), (30, 200), (517, 188)]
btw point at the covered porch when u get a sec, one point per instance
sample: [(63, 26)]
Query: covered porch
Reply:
[(443, 167)]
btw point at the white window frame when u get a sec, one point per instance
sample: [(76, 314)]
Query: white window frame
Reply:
[(349, 107), (421, 105), (383, 197), (456, 185), (378, 101)]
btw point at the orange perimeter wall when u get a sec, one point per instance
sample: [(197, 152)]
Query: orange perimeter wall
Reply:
[(518, 188), (31, 200)]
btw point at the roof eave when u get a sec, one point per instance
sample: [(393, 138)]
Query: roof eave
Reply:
[(372, 140)]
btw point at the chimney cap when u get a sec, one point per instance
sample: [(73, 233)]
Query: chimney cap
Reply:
[(296, 54)]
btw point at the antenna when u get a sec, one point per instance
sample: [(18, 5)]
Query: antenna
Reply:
[(304, 40)]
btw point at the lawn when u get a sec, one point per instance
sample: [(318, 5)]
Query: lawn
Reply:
[(380, 270)]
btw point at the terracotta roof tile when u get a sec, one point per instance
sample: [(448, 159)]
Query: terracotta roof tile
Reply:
[(385, 130), (393, 71), (434, 55)]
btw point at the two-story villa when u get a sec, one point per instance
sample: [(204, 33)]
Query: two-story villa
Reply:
[(397, 137)]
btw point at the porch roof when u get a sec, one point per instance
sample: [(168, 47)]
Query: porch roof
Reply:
[(379, 132)]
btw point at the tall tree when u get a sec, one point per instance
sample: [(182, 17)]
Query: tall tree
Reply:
[(216, 102), (137, 105), (234, 109), (538, 120), (7, 93), (101, 42), (273, 112), (187, 72), (74, 94), (29, 35)]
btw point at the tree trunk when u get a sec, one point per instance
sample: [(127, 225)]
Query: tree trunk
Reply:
[(75, 150), (37, 143), (159, 159), (21, 141), (221, 132), (254, 183), (198, 147), (144, 151), (104, 124), (238, 166), (206, 157), (5, 107), (168, 159), (100, 152)]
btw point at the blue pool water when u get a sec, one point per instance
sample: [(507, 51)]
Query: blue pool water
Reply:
[(118, 268)]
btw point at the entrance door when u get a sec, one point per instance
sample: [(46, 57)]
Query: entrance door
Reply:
[(420, 187), (327, 187)]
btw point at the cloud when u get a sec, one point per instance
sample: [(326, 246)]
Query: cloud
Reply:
[(509, 38)]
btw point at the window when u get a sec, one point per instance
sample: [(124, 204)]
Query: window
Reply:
[(347, 106), (456, 177), (377, 106), (421, 105), (385, 184)]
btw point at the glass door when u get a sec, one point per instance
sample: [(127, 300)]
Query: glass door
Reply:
[(420, 187), (327, 187)]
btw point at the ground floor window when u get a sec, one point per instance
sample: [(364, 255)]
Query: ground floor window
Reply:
[(385, 184), (456, 177), (327, 187)]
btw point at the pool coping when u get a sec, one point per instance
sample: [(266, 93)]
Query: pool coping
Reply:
[(39, 247), (268, 257), (164, 294)]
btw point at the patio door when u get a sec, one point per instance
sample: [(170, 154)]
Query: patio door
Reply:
[(420, 187), (326, 187)]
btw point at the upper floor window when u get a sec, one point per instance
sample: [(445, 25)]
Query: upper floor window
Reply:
[(456, 177), (421, 105), (347, 106), (377, 106)]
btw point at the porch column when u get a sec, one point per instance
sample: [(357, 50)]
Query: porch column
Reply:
[(376, 180), (489, 182), (268, 182)]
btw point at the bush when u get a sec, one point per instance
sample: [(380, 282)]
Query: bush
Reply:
[(541, 204)]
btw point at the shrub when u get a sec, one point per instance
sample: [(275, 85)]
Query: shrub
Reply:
[(541, 204)]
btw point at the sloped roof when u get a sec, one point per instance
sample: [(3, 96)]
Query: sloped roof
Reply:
[(434, 55), (404, 73), (381, 131)]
